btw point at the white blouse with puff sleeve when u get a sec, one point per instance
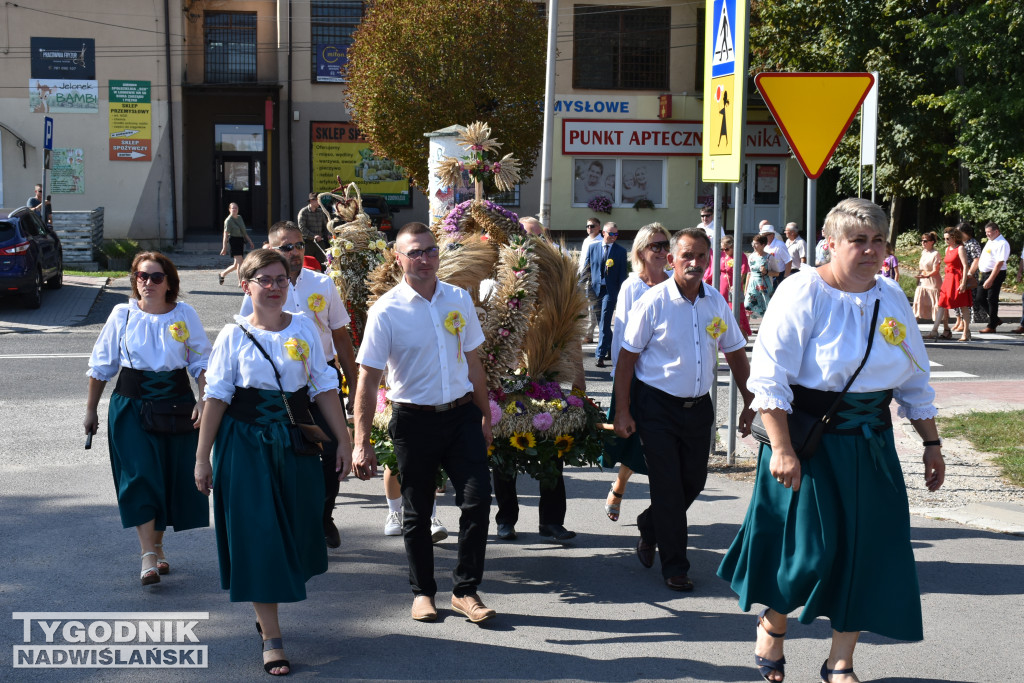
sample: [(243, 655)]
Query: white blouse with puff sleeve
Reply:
[(815, 336), (236, 362), (132, 338)]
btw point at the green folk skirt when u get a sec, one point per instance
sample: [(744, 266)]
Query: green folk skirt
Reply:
[(268, 512), (840, 546), (154, 474), (629, 452)]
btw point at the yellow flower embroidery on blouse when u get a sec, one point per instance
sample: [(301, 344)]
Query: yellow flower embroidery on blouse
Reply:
[(895, 332), (609, 263), (717, 327), (455, 324)]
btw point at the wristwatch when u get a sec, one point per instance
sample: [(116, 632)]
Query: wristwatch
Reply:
[(936, 442)]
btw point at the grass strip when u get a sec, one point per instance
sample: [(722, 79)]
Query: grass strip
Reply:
[(1001, 433)]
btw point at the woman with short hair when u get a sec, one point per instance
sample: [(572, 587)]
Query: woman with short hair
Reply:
[(152, 344), (831, 532)]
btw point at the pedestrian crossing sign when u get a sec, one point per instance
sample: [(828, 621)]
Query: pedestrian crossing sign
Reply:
[(725, 60)]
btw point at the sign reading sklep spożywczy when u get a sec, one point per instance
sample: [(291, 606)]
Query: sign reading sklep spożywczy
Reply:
[(107, 640)]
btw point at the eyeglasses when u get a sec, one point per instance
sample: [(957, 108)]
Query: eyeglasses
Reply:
[(419, 253), (155, 278), (658, 247), (266, 282), (612, 234), (707, 215), (926, 241), (288, 247)]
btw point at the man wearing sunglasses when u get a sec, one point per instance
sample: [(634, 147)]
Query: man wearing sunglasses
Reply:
[(606, 262), (314, 295), (593, 235), (426, 333)]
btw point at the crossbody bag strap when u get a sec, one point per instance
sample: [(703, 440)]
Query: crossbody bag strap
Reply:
[(124, 338), (871, 340), (277, 375)]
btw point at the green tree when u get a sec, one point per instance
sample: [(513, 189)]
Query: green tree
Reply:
[(421, 65)]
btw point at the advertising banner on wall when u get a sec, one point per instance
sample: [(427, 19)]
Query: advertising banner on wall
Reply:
[(131, 127), (330, 60), (68, 171), (60, 96), (339, 149), (70, 58)]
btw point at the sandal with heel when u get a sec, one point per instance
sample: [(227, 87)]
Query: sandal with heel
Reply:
[(275, 644), (612, 509), (766, 666), (162, 565), (826, 672), (150, 575)]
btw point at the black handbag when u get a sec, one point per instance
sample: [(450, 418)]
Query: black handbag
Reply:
[(805, 428), (167, 417), (307, 439)]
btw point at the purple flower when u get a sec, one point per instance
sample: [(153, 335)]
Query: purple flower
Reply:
[(503, 332), (574, 400), (496, 413), (543, 421)]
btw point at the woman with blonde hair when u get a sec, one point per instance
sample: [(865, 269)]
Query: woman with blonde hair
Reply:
[(648, 256)]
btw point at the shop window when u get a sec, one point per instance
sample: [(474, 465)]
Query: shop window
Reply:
[(230, 47), (622, 181), (621, 47), (332, 24)]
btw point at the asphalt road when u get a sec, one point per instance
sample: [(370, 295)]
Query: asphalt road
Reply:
[(588, 611)]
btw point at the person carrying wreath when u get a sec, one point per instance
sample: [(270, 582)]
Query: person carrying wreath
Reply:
[(831, 532), (152, 343), (667, 365), (267, 493), (426, 333)]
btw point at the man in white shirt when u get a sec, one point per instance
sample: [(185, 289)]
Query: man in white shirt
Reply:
[(796, 246), (667, 365), (593, 235), (1020, 276), (992, 272), (315, 296), (778, 251), (707, 223), (426, 333)]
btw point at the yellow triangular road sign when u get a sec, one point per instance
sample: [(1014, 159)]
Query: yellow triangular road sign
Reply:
[(814, 110)]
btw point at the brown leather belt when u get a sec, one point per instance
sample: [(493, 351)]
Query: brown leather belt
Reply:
[(441, 408)]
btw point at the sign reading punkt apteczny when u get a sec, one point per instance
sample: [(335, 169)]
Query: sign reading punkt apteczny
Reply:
[(80, 640)]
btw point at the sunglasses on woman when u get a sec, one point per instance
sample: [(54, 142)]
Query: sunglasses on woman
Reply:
[(658, 247), (155, 278)]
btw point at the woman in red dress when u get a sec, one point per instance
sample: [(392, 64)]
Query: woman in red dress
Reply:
[(954, 292), (725, 265)]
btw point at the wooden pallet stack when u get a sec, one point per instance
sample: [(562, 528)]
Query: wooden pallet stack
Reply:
[(81, 233)]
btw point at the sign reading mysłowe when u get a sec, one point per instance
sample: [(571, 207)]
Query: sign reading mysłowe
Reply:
[(63, 58), (594, 106), (131, 127), (725, 58), (339, 149), (607, 137)]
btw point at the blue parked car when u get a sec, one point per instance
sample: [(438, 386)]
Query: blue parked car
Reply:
[(30, 256)]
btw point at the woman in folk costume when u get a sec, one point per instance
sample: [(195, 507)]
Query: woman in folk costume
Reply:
[(831, 532), (152, 343), (267, 481)]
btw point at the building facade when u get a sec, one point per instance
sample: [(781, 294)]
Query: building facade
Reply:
[(165, 118)]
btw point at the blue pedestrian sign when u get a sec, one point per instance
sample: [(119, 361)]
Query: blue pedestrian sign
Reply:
[(48, 133)]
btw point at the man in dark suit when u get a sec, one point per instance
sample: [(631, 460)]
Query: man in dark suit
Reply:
[(607, 263)]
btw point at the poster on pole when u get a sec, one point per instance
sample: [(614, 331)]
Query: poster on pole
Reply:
[(131, 121), (68, 176), (725, 65), (339, 149)]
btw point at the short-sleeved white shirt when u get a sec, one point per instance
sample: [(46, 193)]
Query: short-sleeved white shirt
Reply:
[(777, 248), (678, 354), (814, 336), (236, 362), (407, 333), (587, 241), (148, 342), (797, 250), (302, 296), (995, 250)]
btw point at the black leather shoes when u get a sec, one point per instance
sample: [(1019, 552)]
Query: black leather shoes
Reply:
[(557, 532), (645, 553), (600, 362), (507, 532), (331, 535), (679, 583)]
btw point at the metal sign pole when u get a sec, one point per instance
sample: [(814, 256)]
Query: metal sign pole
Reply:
[(812, 188), (716, 214), (737, 217)]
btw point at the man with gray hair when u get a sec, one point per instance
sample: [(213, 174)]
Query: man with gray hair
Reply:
[(796, 246)]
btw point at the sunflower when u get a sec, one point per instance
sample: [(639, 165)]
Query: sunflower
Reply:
[(523, 440), (563, 442), (490, 450)]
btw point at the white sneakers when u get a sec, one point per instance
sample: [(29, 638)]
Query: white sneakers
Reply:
[(437, 531), (393, 527)]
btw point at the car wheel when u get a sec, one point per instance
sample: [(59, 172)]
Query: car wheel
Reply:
[(34, 298), (57, 281)]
